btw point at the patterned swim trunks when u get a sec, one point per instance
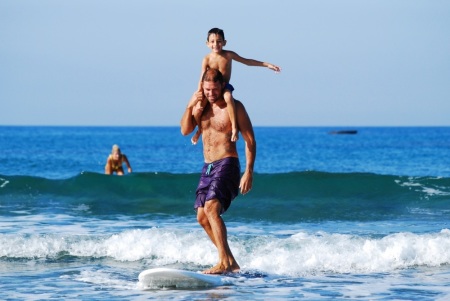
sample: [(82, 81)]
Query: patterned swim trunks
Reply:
[(219, 180)]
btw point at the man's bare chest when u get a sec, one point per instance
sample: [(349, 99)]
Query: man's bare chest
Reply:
[(217, 120)]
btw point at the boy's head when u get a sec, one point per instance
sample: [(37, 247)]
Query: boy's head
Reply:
[(216, 31), (216, 40)]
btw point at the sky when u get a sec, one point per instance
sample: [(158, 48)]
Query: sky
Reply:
[(137, 62)]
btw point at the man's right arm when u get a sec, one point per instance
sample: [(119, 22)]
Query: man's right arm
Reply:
[(187, 120)]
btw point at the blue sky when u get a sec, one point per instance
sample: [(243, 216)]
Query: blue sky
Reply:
[(137, 62)]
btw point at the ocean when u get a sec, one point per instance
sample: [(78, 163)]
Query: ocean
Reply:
[(361, 216)]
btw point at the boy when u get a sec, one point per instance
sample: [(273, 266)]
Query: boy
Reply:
[(221, 59)]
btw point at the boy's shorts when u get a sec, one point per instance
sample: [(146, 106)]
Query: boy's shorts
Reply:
[(229, 87)]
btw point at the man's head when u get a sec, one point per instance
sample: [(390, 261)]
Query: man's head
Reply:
[(213, 84)]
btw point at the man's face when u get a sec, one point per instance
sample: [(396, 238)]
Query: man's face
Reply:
[(212, 90)]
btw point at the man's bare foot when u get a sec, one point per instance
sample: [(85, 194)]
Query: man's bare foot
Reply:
[(234, 136), (218, 269), (221, 269), (235, 268), (194, 139)]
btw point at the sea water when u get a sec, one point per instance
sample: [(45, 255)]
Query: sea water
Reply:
[(330, 217)]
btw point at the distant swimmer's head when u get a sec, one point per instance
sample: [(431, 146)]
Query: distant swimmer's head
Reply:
[(115, 152)]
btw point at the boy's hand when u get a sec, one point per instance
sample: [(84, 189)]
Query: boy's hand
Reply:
[(274, 68)]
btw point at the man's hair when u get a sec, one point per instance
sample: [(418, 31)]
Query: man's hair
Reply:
[(213, 75), (217, 31)]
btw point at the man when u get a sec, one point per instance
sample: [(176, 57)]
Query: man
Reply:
[(220, 180)]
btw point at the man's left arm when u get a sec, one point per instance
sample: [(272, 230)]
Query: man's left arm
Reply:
[(246, 129)]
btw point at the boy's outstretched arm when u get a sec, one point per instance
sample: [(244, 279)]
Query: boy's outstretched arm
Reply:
[(252, 62)]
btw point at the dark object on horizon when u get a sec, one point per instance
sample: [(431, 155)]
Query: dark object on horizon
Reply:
[(344, 132)]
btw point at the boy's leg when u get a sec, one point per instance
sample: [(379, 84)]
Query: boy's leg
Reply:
[(231, 108)]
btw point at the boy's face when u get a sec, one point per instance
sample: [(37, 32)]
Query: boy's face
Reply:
[(215, 42)]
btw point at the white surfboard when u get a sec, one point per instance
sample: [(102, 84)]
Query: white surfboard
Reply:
[(174, 278)]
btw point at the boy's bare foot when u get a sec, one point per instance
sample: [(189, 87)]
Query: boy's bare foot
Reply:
[(195, 138)]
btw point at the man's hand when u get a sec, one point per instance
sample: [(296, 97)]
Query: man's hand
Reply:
[(246, 182), (193, 109), (196, 98)]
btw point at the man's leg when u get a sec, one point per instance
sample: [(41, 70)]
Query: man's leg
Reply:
[(210, 219), (203, 221)]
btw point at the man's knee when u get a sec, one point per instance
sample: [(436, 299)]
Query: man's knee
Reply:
[(202, 219), (212, 207)]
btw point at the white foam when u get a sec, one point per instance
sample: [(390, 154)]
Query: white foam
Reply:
[(305, 253), (106, 279), (414, 183), (5, 182), (300, 254)]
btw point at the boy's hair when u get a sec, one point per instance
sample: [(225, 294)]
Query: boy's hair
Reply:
[(217, 31), (213, 75)]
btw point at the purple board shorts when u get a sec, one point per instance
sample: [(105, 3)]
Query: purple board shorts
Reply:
[(219, 180)]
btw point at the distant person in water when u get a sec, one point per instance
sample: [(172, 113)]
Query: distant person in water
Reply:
[(115, 161)]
